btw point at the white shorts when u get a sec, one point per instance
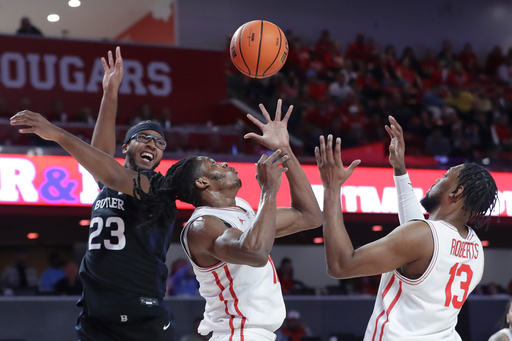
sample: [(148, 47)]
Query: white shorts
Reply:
[(250, 334)]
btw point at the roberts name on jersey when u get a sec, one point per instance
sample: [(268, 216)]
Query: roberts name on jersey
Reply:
[(464, 249)]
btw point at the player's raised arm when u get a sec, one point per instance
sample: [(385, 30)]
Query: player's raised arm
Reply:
[(104, 134), (409, 207), (102, 166), (402, 246), (304, 212)]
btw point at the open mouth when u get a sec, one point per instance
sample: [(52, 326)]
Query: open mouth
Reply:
[(147, 156)]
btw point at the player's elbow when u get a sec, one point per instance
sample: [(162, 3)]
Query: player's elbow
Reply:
[(317, 219), (337, 271), (258, 259)]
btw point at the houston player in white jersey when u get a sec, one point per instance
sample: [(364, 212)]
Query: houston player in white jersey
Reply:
[(505, 333), (428, 267), (229, 244)]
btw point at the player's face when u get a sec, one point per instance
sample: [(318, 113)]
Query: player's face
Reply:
[(221, 173), (444, 185), (144, 155)]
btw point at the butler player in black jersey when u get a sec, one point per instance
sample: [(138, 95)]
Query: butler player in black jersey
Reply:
[(123, 271)]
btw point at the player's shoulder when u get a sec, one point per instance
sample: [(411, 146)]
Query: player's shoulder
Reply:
[(499, 336), (415, 227)]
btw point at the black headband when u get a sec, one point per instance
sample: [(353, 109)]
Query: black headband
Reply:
[(145, 125)]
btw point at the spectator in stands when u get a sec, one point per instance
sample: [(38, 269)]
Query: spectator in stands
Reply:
[(458, 77), (353, 125), (144, 113), (20, 278), (462, 101), (390, 56), (52, 274), (429, 64), (446, 54), (27, 28), (501, 102), (339, 88), (469, 60), (333, 60), (400, 111), (316, 64), (505, 325), (71, 284), (384, 73), (298, 57), (358, 50), (432, 100), (494, 59), (324, 45), (502, 133), (482, 102), (504, 71), (293, 328), (368, 285), (437, 144), (316, 88), (482, 128), (85, 116), (289, 284), (415, 64), (461, 144), (182, 281), (406, 74), (166, 118)]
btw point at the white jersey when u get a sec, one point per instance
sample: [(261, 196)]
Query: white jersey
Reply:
[(242, 302), (426, 308)]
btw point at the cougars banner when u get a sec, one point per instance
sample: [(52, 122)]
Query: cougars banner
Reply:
[(61, 181), (39, 71)]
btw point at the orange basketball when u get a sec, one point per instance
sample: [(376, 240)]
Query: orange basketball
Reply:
[(258, 49)]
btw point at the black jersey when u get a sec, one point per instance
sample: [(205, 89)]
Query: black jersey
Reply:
[(123, 271)]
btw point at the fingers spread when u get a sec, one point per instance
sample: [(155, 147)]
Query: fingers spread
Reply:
[(254, 120), (265, 112)]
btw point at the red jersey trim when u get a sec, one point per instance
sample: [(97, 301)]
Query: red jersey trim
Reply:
[(386, 312), (431, 266), (226, 302)]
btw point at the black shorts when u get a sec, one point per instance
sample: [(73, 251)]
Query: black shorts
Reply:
[(154, 328)]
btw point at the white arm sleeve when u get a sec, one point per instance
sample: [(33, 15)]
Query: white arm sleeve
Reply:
[(408, 205)]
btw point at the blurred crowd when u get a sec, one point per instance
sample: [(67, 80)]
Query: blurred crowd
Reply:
[(450, 103)]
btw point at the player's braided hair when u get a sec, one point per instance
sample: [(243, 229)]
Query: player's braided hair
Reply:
[(480, 193), (158, 205)]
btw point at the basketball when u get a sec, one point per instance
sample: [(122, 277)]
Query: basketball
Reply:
[(258, 49)]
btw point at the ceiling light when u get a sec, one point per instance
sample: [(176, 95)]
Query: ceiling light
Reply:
[(53, 18), (74, 3)]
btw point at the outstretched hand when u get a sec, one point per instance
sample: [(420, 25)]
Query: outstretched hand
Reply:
[(113, 71), (396, 145), (274, 132), (36, 124), (331, 167)]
